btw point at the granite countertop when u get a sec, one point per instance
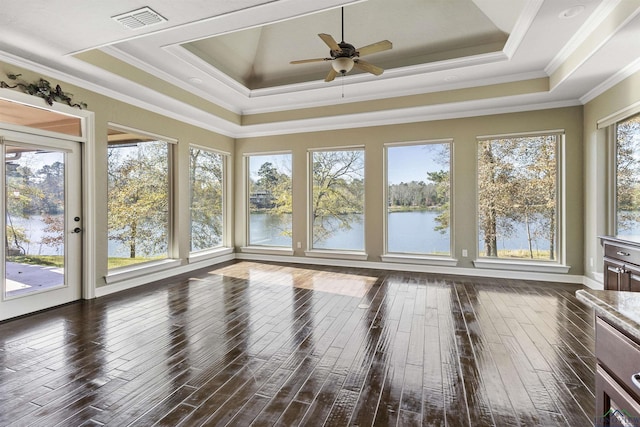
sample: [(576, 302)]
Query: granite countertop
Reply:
[(621, 309)]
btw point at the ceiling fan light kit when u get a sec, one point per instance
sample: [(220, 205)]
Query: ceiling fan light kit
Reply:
[(344, 56), (342, 65)]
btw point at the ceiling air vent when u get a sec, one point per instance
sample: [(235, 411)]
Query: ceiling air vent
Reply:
[(139, 18)]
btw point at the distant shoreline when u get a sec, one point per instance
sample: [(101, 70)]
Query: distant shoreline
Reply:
[(412, 208)]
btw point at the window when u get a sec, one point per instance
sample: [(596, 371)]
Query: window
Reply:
[(206, 178), (418, 187), (628, 176), (270, 199), (518, 197), (138, 198), (39, 118), (337, 199)]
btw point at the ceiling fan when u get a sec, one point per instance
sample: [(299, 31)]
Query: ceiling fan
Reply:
[(344, 56)]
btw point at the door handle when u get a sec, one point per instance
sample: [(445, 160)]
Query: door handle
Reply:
[(77, 230)]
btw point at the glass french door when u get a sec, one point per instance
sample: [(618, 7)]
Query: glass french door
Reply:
[(41, 262)]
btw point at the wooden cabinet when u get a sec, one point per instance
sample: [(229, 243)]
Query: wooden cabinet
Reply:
[(621, 264), (617, 376)]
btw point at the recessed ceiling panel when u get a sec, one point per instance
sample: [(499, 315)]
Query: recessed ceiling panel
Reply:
[(421, 32)]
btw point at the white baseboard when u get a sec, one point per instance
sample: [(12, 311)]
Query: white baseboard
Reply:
[(594, 283), (417, 268), (165, 274)]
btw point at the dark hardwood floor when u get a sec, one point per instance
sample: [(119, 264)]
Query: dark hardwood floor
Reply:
[(262, 344)]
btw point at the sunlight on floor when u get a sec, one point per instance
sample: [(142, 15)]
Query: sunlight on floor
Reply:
[(354, 285)]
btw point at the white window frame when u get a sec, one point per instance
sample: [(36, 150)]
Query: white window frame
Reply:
[(224, 247), (612, 168), (559, 264), (413, 258), (130, 272), (260, 249), (333, 253)]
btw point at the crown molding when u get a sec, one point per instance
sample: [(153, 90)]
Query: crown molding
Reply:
[(521, 27), (618, 77), (595, 19), (143, 97), (505, 105), (171, 79)]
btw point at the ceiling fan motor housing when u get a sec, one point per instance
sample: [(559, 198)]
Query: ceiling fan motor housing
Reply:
[(348, 51)]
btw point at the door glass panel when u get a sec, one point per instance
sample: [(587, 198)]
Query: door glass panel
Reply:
[(34, 220)]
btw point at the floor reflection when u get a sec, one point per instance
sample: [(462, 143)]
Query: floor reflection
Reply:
[(248, 343), (317, 279)]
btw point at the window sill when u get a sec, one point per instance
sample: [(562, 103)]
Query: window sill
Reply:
[(209, 254), (538, 267), (126, 273), (267, 250), (346, 255), (419, 259)]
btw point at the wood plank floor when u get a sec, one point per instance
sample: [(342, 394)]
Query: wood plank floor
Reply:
[(262, 344)]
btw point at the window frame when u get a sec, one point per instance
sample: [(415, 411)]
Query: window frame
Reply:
[(261, 249), (224, 243), (612, 137), (129, 272), (334, 253), (419, 258), (522, 264)]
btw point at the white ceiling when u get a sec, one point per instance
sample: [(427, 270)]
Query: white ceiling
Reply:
[(244, 48)]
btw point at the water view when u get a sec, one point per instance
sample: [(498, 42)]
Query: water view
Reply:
[(410, 232)]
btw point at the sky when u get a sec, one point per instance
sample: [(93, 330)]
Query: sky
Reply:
[(412, 162), (406, 163), (282, 163)]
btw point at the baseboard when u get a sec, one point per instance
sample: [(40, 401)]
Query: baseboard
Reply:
[(418, 268), (593, 284), (148, 278)]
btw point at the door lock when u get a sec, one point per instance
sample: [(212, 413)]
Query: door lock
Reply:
[(77, 230)]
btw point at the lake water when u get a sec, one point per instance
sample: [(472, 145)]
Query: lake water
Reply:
[(33, 229), (410, 232)]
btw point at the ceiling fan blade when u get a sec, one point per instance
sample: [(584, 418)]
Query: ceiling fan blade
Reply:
[(369, 68), (304, 61), (330, 41), (375, 47), (332, 75)]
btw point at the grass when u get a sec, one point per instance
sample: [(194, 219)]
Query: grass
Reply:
[(125, 262), (521, 254), (395, 208), (58, 260), (48, 260)]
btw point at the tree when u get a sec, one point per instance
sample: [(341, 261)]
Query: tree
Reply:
[(206, 169), (441, 198), (22, 196), (534, 189), (517, 187), (338, 191), (269, 177), (494, 190), (54, 231), (51, 179), (138, 197), (627, 173)]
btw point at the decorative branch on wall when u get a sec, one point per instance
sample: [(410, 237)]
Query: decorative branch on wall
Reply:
[(43, 89)]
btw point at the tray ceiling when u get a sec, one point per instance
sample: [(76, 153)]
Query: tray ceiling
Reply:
[(225, 66)]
